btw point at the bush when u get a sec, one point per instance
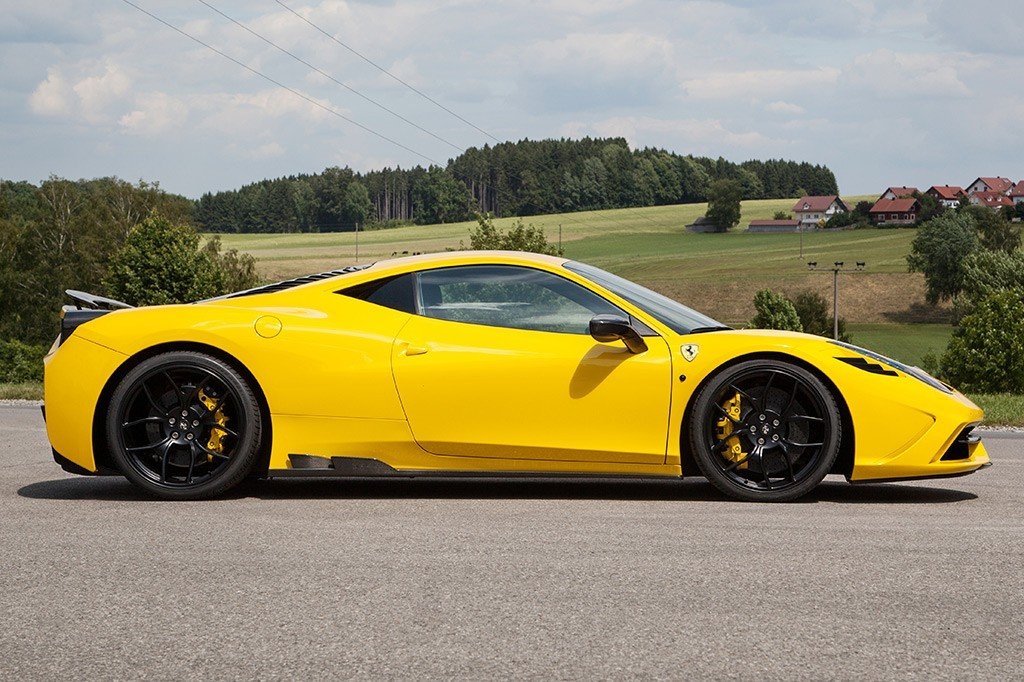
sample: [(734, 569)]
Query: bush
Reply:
[(986, 352), (939, 250), (813, 310), (162, 263), (774, 311), (486, 236), (20, 362), (846, 219)]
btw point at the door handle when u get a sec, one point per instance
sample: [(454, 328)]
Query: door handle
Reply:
[(410, 350)]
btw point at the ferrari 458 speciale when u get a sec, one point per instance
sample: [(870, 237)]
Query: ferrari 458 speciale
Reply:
[(481, 364)]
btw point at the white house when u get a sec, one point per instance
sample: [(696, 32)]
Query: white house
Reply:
[(996, 184), (811, 210), (1017, 193), (947, 195)]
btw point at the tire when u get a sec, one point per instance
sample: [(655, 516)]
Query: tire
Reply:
[(184, 426), (765, 431)]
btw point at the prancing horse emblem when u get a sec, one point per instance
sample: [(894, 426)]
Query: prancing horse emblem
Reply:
[(690, 351)]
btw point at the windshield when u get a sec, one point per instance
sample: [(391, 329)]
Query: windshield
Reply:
[(672, 314)]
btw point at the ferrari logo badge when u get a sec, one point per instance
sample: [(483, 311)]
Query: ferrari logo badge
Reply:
[(690, 351)]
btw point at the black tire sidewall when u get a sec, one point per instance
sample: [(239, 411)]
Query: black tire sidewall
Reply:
[(246, 450), (704, 458)]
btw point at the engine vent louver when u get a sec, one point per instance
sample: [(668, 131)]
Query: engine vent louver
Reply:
[(298, 281)]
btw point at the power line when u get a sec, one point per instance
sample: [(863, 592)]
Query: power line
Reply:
[(335, 112), (330, 77), (388, 73), (330, 110)]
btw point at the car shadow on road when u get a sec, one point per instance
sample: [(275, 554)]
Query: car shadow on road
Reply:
[(115, 488)]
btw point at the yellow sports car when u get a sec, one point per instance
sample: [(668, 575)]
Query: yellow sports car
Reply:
[(481, 363)]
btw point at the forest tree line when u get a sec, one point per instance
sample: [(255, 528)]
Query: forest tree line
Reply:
[(512, 178), (68, 234)]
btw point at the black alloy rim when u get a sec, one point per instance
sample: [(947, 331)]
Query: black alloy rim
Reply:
[(167, 427), (782, 430)]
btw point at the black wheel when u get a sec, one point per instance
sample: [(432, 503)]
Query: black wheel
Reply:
[(765, 430), (184, 426)]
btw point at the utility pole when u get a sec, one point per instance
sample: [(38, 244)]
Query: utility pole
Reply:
[(559, 237), (357, 242), (837, 267)]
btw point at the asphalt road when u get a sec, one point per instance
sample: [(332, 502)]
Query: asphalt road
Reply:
[(535, 579)]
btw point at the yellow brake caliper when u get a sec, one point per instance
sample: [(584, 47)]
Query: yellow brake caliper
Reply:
[(724, 427), (216, 443)]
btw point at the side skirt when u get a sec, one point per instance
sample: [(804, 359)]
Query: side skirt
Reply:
[(312, 466)]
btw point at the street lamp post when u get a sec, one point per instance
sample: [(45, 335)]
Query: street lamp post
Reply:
[(836, 268)]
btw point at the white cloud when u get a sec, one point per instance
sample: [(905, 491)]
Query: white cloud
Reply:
[(995, 29), (594, 70), (245, 114), (780, 107), (699, 135), (98, 93), (265, 151), (89, 95), (155, 113), (762, 83), (899, 75), (53, 96)]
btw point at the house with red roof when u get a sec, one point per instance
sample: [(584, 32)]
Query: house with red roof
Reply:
[(809, 211), (947, 195), (898, 192), (902, 211), (991, 199), (1017, 193), (996, 184)]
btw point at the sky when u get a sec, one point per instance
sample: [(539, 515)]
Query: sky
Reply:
[(885, 93)]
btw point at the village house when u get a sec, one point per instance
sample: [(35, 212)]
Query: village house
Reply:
[(1017, 193), (902, 211), (947, 195), (1001, 185), (994, 200), (809, 211), (898, 192)]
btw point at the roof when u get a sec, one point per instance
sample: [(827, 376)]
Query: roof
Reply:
[(995, 184), (789, 222), (1018, 190), (818, 203), (703, 220), (948, 192), (900, 192), (992, 199), (901, 205)]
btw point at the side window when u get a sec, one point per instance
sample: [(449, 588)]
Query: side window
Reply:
[(398, 293), (509, 296)]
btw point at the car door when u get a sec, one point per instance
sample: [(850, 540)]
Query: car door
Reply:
[(499, 362)]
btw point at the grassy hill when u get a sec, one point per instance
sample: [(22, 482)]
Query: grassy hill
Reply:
[(717, 273)]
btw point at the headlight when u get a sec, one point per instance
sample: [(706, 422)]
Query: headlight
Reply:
[(915, 372)]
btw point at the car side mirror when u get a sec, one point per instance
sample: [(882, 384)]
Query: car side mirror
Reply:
[(611, 328)]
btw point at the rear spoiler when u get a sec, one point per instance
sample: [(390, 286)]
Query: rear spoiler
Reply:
[(82, 300), (86, 307)]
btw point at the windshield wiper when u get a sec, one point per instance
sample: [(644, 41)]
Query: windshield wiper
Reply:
[(704, 330)]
